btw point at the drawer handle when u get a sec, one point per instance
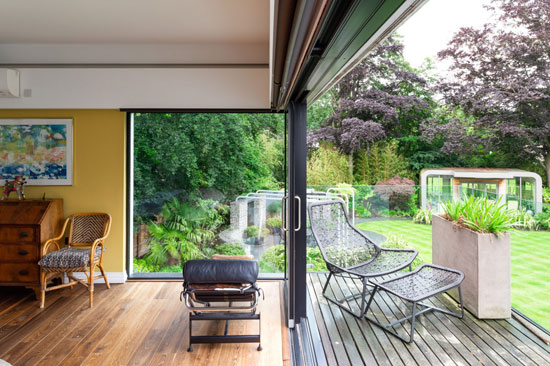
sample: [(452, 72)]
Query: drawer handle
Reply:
[(23, 252), (23, 234), (23, 272)]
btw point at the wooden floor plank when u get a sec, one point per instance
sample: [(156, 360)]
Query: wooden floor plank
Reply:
[(439, 337), (323, 333), (132, 324), (334, 334)]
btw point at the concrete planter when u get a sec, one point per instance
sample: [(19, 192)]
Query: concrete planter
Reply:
[(485, 261)]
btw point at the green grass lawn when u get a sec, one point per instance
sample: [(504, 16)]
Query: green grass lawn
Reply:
[(530, 263)]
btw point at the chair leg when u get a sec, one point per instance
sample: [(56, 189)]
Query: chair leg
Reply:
[(42, 289), (104, 276), (91, 285)]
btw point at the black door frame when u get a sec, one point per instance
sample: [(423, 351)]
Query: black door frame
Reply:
[(296, 218)]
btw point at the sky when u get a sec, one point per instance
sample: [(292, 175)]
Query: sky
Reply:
[(429, 30)]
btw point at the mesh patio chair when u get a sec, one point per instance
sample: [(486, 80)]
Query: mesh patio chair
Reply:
[(350, 253), (84, 252)]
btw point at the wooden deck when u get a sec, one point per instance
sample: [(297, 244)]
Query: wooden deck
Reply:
[(439, 339), (138, 323)]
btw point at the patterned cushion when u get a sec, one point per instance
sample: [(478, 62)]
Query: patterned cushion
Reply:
[(68, 258)]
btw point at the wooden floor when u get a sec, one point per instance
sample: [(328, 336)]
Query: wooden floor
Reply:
[(138, 323), (439, 339)]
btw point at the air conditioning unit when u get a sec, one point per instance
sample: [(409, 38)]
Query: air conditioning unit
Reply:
[(9, 83)]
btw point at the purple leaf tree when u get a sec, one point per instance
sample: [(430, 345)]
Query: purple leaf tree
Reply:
[(381, 98), (500, 76)]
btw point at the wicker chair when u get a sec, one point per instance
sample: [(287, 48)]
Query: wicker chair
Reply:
[(84, 252), (349, 253)]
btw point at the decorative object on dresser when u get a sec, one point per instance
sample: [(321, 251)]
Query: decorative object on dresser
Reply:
[(17, 186), (84, 252), (24, 227)]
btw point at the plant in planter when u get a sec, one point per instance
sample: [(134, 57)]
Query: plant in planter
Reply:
[(274, 224), (255, 236), (472, 236)]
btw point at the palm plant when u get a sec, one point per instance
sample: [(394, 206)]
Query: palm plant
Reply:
[(182, 232)]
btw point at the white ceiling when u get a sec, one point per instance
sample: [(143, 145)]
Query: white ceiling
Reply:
[(134, 21)]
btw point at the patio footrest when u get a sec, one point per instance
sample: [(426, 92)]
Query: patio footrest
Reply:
[(426, 281)]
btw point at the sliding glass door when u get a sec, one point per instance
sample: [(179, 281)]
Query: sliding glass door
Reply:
[(205, 184)]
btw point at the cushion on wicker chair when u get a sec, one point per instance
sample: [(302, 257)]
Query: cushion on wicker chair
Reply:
[(68, 258)]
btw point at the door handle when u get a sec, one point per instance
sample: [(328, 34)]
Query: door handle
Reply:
[(283, 214), (299, 213)]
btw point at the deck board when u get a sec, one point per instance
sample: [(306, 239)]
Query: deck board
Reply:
[(138, 323), (439, 339)]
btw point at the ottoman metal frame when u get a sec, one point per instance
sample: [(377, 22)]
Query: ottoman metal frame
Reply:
[(424, 282)]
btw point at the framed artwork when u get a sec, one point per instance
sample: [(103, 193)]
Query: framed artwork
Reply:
[(41, 150)]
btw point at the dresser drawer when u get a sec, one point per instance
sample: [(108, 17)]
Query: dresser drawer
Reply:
[(19, 272), (17, 234), (19, 253)]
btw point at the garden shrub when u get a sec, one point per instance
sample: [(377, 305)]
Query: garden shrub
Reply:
[(326, 165), (396, 242), (229, 249), (543, 220), (273, 259), (546, 195), (524, 220), (397, 194), (254, 232), (273, 222), (274, 208), (423, 216), (380, 163)]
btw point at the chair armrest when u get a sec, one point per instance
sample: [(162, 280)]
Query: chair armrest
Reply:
[(47, 244)]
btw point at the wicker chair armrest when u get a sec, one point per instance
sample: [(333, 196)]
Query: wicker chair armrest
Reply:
[(47, 244), (401, 250)]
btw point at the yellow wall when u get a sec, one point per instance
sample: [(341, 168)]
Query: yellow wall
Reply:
[(99, 171)]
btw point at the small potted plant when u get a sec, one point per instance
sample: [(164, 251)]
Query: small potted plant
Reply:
[(255, 236), (274, 224), (473, 237)]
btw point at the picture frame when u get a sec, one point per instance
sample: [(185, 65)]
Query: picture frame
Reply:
[(39, 149)]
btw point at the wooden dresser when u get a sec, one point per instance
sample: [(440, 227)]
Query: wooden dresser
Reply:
[(24, 227)]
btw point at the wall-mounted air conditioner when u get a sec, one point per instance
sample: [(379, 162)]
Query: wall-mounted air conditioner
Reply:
[(9, 83)]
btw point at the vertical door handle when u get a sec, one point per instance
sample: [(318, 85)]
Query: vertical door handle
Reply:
[(299, 213), (283, 214)]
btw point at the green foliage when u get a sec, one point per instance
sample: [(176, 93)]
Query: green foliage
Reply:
[(397, 242), (543, 220), (254, 232), (229, 249), (381, 162), (315, 261), (546, 195), (273, 222), (524, 220), (274, 208), (183, 231), (184, 152), (477, 214), (145, 265), (423, 216), (327, 166), (273, 259)]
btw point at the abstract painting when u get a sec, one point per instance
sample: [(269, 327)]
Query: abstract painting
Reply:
[(41, 150)]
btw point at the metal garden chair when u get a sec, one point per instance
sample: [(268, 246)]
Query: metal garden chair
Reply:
[(350, 253)]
